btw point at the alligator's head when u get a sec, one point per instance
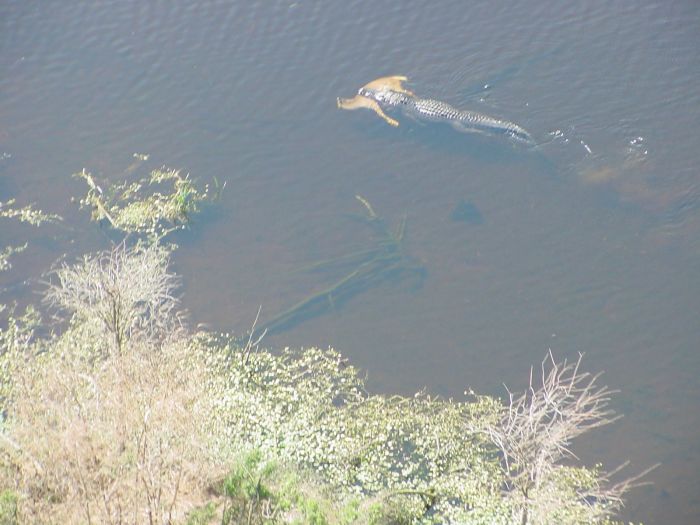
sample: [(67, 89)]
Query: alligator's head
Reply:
[(359, 101), (368, 95)]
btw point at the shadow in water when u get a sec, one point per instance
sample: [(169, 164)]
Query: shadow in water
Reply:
[(383, 261), (442, 138)]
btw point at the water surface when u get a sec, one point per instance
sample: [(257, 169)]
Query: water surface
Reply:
[(588, 244)]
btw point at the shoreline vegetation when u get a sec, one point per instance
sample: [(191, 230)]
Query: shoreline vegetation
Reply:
[(124, 414)]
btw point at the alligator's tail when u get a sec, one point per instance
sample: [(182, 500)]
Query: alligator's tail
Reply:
[(504, 128), (519, 134)]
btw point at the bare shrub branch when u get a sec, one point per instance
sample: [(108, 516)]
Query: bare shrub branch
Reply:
[(128, 290), (534, 435), (124, 440)]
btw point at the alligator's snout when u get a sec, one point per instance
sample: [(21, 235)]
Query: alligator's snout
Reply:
[(359, 101)]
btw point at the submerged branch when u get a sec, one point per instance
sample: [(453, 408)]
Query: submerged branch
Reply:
[(370, 265)]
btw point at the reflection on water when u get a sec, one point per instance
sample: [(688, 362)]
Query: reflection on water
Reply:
[(588, 244)]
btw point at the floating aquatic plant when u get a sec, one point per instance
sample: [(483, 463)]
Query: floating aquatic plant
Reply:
[(154, 206), (27, 214)]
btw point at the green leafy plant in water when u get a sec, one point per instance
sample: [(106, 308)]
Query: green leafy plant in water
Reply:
[(26, 214), (154, 206)]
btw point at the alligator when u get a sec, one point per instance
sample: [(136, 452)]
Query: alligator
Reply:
[(389, 93)]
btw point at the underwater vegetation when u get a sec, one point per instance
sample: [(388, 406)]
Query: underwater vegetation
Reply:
[(384, 259)]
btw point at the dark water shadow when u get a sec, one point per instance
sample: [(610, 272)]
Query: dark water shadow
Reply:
[(479, 147), (372, 274), (382, 261)]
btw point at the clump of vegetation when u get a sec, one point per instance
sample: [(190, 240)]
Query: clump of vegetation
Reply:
[(26, 214), (128, 291), (153, 206), (99, 436), (112, 440), (533, 436), (257, 491)]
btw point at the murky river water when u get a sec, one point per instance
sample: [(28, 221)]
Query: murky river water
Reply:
[(590, 243)]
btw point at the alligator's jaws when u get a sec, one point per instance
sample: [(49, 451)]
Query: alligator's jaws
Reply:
[(387, 93)]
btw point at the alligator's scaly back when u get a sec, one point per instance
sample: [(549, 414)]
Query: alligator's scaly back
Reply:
[(388, 92), (468, 121)]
